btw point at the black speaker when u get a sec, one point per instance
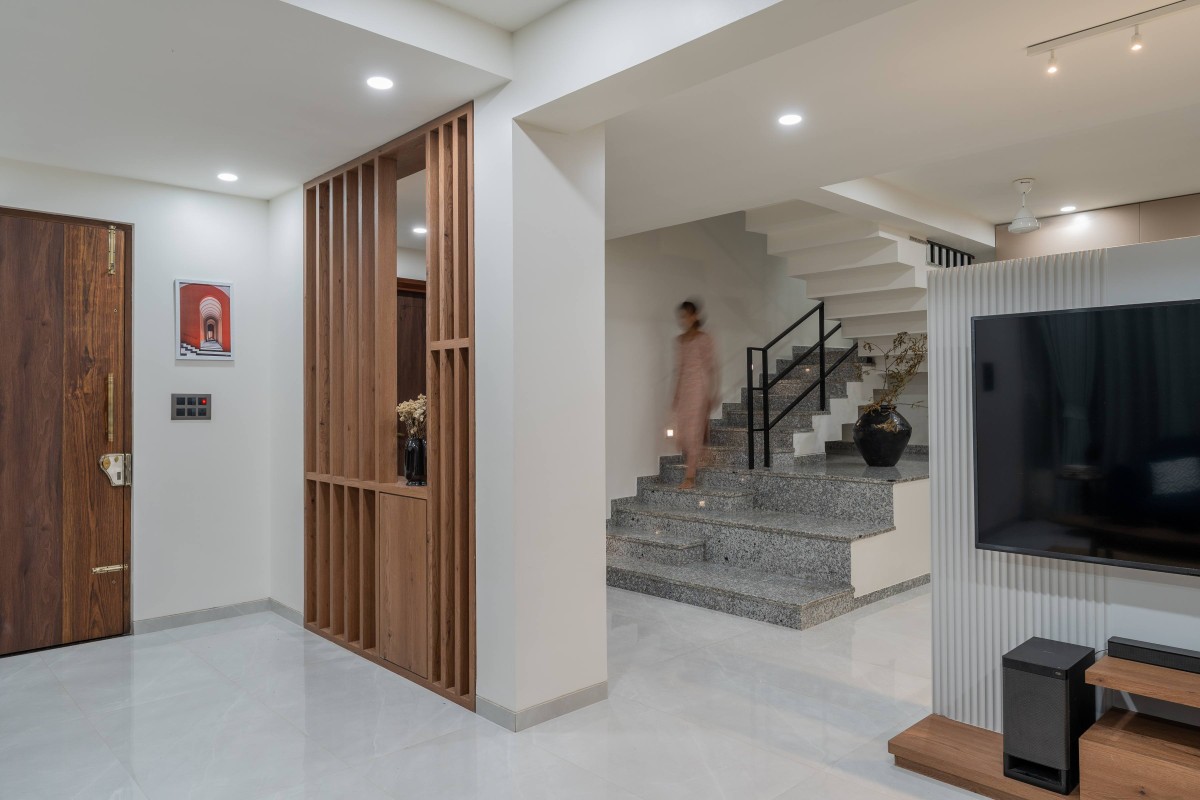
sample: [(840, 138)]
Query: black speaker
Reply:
[(1047, 707)]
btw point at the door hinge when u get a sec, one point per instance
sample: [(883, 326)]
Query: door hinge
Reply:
[(112, 249), (118, 467), (109, 568)]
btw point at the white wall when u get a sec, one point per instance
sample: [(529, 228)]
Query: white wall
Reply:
[(285, 224), (747, 297), (985, 603), (410, 263), (200, 511)]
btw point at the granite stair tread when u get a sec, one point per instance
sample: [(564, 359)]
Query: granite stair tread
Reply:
[(744, 583), (699, 491), (664, 539), (838, 467), (772, 521)]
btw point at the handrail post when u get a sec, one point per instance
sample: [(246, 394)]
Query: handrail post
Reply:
[(750, 403), (821, 324), (766, 404)]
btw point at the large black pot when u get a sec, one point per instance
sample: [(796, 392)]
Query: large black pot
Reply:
[(415, 461), (881, 434)]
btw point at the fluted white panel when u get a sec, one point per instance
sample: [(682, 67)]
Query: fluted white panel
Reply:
[(985, 603)]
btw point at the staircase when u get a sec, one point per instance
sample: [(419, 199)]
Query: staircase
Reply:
[(872, 277), (813, 537)]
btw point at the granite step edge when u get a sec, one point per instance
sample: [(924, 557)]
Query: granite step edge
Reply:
[(668, 540), (718, 518), (735, 582)]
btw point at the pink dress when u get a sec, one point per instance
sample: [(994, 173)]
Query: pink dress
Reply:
[(696, 389)]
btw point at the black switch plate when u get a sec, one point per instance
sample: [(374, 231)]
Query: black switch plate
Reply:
[(191, 407)]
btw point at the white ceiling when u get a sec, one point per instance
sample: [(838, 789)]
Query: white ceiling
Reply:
[(176, 91), (511, 15), (1128, 161), (938, 96)]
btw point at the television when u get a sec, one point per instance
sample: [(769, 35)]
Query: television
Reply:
[(1087, 435)]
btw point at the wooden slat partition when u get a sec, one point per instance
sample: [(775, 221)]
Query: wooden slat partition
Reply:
[(372, 543)]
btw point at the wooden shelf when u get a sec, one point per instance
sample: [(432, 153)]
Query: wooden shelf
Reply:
[(964, 756), (1147, 680), (1135, 755)]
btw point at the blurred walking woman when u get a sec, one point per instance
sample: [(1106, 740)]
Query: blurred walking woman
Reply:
[(696, 388)]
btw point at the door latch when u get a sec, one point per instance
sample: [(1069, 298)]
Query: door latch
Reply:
[(118, 467)]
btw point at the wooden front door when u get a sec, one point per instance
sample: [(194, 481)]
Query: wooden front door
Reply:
[(64, 389)]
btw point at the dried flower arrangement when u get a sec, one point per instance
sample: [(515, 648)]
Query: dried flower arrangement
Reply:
[(411, 414), (901, 362)]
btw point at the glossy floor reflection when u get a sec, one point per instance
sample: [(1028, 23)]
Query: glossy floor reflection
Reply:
[(703, 705)]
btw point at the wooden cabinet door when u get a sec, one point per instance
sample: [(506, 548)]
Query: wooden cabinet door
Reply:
[(404, 583), (62, 407)]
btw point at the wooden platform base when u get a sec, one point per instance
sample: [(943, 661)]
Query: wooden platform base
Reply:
[(964, 756)]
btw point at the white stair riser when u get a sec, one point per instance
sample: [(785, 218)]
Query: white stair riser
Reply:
[(884, 277), (870, 304), (855, 253), (884, 324)]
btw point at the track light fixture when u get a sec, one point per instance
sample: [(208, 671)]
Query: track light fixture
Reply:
[(1136, 21)]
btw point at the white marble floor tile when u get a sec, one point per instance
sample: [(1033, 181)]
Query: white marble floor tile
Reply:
[(659, 755), (116, 673), (212, 743), (358, 710), (703, 705), (349, 784), (31, 696), (868, 772), (63, 760), (483, 761)]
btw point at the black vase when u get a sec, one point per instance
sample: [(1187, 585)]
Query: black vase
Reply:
[(414, 461), (881, 434)]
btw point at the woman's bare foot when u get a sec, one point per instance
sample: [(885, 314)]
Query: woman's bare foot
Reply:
[(688, 483)]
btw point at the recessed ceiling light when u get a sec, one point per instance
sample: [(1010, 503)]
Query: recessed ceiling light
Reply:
[(790, 119), (227, 176), (1067, 209), (420, 231), (380, 82)]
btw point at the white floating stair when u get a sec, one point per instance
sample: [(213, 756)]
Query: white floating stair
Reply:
[(873, 278)]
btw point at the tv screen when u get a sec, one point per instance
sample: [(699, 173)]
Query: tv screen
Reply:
[(1087, 435)]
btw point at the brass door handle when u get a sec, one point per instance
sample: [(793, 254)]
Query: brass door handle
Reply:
[(111, 410)]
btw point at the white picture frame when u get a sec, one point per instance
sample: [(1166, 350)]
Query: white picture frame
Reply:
[(204, 329)]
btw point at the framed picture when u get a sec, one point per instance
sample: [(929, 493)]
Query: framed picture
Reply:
[(203, 321)]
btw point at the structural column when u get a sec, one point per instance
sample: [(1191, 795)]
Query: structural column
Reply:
[(540, 410)]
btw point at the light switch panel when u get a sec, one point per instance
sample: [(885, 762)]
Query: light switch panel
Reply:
[(191, 407)]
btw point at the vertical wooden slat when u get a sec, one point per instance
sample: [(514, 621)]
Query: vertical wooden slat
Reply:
[(350, 428), (433, 249), (451, 244), (351, 566), (337, 560), (322, 328), (366, 317), (367, 551), (311, 245), (385, 319), (445, 479), (321, 577), (310, 551), (469, 202), (337, 308)]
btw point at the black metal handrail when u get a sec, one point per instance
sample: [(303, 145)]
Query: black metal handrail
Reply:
[(943, 255), (765, 384)]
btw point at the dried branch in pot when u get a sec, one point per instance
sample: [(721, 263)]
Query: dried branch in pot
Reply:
[(901, 362)]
